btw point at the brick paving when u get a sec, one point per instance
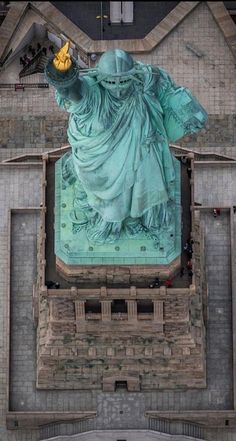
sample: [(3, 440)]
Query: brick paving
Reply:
[(215, 185), (15, 191)]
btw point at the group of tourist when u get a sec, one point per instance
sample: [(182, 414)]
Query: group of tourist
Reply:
[(50, 284), (189, 266), (157, 283), (216, 212), (188, 248), (32, 51)]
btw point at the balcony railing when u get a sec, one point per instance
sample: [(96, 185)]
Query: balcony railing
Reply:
[(93, 316), (119, 316)]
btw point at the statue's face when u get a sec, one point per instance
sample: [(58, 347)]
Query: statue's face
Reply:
[(117, 86), (115, 72)]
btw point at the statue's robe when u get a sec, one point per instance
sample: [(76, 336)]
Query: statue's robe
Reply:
[(120, 147)]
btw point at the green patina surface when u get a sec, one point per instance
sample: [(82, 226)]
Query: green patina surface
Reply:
[(118, 192), (74, 248)]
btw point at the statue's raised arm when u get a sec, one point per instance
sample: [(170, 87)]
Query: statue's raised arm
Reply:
[(62, 72)]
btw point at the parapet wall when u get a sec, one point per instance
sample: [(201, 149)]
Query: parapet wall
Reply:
[(82, 349)]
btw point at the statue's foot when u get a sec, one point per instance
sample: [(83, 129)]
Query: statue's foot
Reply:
[(132, 227), (101, 237), (100, 231), (78, 217)]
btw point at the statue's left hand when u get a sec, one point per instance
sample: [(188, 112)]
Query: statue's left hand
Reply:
[(62, 60)]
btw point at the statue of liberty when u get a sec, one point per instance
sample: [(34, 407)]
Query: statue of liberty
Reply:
[(123, 114)]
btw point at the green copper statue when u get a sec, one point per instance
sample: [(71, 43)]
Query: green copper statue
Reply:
[(123, 114)]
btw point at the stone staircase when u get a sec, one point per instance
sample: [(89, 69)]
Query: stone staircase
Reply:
[(36, 65)]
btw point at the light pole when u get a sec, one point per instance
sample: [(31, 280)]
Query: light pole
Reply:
[(101, 17)]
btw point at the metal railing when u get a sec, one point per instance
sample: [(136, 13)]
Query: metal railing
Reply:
[(23, 86), (160, 425), (66, 428), (176, 427)]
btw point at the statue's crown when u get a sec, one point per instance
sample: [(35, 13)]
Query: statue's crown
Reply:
[(115, 63)]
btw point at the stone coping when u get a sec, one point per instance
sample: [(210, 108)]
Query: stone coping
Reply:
[(116, 293), (116, 273)]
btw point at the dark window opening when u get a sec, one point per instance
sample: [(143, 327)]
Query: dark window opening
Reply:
[(145, 307), (226, 422), (92, 307), (121, 385), (119, 306)]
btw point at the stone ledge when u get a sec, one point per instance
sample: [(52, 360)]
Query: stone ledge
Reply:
[(32, 420), (112, 274)]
